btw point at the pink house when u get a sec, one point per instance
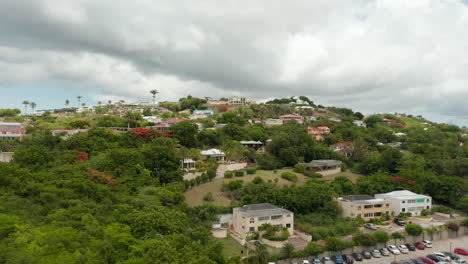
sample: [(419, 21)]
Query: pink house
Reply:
[(12, 131), (289, 117)]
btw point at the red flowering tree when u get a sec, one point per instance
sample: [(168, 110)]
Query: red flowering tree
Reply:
[(100, 177), (143, 133), (82, 157), (222, 108)]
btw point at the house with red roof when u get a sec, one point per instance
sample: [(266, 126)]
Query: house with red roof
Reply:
[(346, 148), (172, 121), (290, 117)]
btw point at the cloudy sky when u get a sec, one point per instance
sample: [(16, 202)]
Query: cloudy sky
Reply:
[(370, 55)]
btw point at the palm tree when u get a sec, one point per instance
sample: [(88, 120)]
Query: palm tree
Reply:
[(109, 102), (67, 102), (79, 100), (83, 104), (99, 103), (25, 106), (287, 251), (33, 106), (154, 93)]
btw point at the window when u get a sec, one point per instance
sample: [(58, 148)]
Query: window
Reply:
[(288, 215), (428, 200), (377, 205), (403, 202), (288, 225), (359, 207), (243, 227), (387, 205), (367, 206), (369, 215), (378, 214), (427, 207), (252, 229), (263, 218), (252, 220), (273, 217), (403, 209)]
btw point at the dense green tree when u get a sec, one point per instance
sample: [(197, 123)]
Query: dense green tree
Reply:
[(186, 133)]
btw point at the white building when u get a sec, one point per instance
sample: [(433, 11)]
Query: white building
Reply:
[(67, 133), (406, 202), (153, 119), (216, 154), (359, 123), (249, 218)]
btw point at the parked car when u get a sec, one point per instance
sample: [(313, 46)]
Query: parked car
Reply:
[(403, 249), (461, 251), (434, 258), (357, 256), (420, 245), (348, 259), (258, 243), (316, 261), (417, 261), (326, 260), (338, 259), (410, 247), (370, 226), (427, 243), (442, 256), (366, 254), (394, 250), (305, 261), (376, 254), (427, 260), (461, 261), (395, 262), (384, 252), (399, 221), (451, 255), (406, 262)]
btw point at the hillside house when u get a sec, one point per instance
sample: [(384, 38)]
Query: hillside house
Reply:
[(12, 131), (198, 116), (346, 148), (290, 117), (359, 123), (208, 112), (239, 100), (273, 122), (256, 145), (152, 119), (249, 218), (172, 121), (6, 156), (67, 133), (216, 154), (318, 132), (187, 164), (324, 167), (364, 206)]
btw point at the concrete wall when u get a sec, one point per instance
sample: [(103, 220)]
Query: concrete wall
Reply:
[(6, 156), (329, 172)]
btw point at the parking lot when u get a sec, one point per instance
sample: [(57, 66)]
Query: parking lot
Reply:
[(438, 246)]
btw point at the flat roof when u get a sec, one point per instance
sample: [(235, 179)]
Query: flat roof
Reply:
[(262, 209)]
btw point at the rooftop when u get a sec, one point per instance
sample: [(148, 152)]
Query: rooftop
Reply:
[(211, 152), (403, 194), (262, 209), (324, 163)]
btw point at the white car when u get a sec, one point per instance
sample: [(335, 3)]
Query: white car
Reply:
[(376, 254), (427, 243), (403, 249), (305, 261), (461, 261), (394, 250), (442, 256)]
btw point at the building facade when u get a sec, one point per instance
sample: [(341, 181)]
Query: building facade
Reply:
[(12, 131), (364, 206), (324, 167), (6, 156), (216, 154), (406, 202), (249, 218)]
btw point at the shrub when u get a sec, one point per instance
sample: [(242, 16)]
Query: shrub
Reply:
[(208, 197), (413, 229), (251, 170), (289, 176), (397, 235), (211, 174), (312, 174), (257, 180), (299, 168), (441, 209), (364, 239), (233, 185), (464, 222), (239, 173), (228, 174), (381, 236)]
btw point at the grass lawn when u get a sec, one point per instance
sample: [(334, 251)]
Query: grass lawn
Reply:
[(194, 197), (231, 247)]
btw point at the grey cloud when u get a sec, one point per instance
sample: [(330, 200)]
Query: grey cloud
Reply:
[(372, 55)]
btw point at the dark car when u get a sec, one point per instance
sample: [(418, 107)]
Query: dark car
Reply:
[(399, 221), (410, 247), (406, 262), (417, 261), (338, 259), (348, 259), (357, 256), (434, 258), (451, 255), (366, 254)]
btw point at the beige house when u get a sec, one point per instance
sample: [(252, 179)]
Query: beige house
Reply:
[(6, 156), (324, 167), (364, 206), (248, 218)]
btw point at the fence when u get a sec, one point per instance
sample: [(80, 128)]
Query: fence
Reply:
[(436, 236)]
